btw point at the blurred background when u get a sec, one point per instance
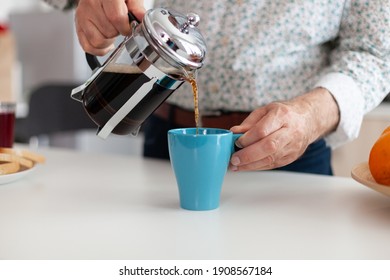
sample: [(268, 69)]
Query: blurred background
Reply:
[(41, 62)]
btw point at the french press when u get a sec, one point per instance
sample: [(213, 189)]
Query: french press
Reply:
[(142, 72)]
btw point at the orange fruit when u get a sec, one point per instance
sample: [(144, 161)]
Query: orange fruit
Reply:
[(379, 159)]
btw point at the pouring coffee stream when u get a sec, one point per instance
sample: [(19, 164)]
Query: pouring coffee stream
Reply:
[(163, 51), (194, 85)]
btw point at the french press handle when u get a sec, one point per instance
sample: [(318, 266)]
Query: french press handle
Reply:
[(92, 60)]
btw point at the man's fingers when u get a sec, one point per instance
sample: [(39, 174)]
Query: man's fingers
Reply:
[(137, 8), (104, 46), (116, 13)]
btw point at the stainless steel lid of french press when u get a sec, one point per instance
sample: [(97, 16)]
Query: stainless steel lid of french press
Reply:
[(175, 37)]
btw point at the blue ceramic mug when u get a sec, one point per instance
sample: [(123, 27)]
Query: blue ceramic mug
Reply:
[(200, 161)]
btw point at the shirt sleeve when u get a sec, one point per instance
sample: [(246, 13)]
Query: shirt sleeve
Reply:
[(62, 4), (358, 75)]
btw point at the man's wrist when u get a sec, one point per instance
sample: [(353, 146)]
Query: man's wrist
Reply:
[(320, 112), (326, 113)]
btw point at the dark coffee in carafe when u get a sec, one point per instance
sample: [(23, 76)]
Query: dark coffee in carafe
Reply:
[(114, 86)]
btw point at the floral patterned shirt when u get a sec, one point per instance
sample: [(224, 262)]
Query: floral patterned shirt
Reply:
[(261, 51)]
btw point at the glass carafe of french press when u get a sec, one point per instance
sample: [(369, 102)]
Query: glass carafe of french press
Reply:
[(142, 72)]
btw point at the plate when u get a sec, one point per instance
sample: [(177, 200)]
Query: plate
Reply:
[(362, 174), (8, 178)]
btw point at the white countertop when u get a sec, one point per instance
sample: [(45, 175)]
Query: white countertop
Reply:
[(91, 206)]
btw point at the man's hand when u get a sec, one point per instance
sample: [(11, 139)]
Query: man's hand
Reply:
[(99, 22), (279, 133)]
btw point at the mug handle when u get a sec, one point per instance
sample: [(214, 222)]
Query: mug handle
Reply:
[(235, 137), (92, 60)]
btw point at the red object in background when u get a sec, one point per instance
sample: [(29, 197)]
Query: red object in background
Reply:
[(7, 122), (3, 28), (7, 112)]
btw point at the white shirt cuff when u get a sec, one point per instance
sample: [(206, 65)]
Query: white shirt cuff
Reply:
[(351, 106)]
